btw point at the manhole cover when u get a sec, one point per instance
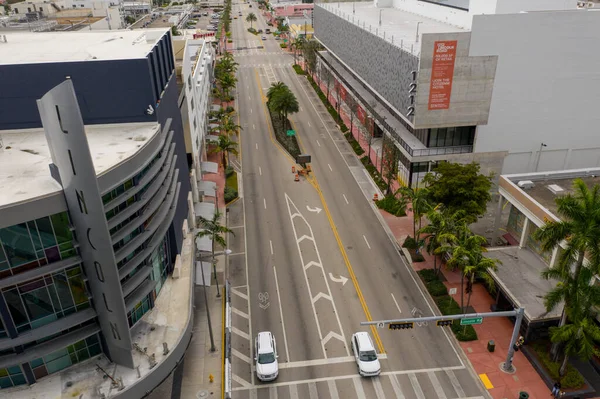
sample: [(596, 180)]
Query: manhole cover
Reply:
[(202, 394)]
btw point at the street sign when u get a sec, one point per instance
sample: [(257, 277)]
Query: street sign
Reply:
[(470, 321), (380, 325), (290, 133), (303, 158)]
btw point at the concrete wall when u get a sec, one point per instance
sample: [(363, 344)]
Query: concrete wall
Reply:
[(546, 88), (114, 91), (385, 67), (472, 85)]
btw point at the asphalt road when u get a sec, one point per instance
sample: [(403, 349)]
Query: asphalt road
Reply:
[(311, 259)]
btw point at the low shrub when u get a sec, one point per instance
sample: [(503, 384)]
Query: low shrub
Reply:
[(230, 194), (229, 41), (229, 171), (298, 69), (290, 144), (463, 333), (448, 306), (282, 45), (229, 109), (373, 172), (416, 257), (410, 243), (392, 205), (436, 288), (428, 275), (572, 378), (252, 30), (354, 144)]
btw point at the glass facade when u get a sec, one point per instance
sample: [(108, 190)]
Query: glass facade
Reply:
[(26, 246), (451, 136), (63, 358), (11, 376), (48, 298)]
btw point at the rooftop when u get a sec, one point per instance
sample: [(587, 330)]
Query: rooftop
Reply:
[(397, 24), (25, 156), (550, 185), (519, 278), (28, 48)]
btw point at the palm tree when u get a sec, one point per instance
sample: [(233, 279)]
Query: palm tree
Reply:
[(229, 127), (579, 230), (284, 103), (227, 82), (298, 45), (579, 337), (275, 88), (251, 18), (478, 268), (441, 222), (212, 228), (419, 198), (225, 146)]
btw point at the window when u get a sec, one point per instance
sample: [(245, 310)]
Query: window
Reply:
[(452, 136), (192, 104), (11, 376), (63, 358), (195, 125), (135, 314)]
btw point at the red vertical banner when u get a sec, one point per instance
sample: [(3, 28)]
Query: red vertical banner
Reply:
[(442, 71)]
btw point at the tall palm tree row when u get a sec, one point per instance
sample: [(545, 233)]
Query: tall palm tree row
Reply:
[(225, 145), (212, 228)]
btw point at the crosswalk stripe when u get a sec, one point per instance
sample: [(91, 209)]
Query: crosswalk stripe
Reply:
[(293, 391), (360, 392), (436, 385), (396, 387), (459, 391), (378, 388), (312, 390), (272, 393), (332, 390), (416, 387), (254, 393), (240, 333), (240, 355)]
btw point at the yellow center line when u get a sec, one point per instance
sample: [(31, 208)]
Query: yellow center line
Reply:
[(314, 182)]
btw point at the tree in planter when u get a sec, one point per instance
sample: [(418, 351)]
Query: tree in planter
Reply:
[(297, 45), (282, 101), (579, 230), (460, 187), (389, 162), (477, 268), (251, 18), (229, 127), (338, 90), (310, 56), (353, 107), (227, 82), (275, 89), (421, 204), (213, 228), (326, 77), (225, 146)]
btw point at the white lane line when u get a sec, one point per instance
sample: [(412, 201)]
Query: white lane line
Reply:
[(250, 110), (330, 167), (294, 392), (260, 170), (459, 391), (253, 127), (265, 202), (416, 387), (239, 312), (366, 241), (271, 245), (257, 146), (333, 390), (240, 355), (272, 393), (312, 390), (345, 199), (308, 124), (241, 381), (249, 98), (437, 386), (240, 333), (360, 392), (378, 388), (287, 352), (399, 310), (319, 144), (240, 294), (396, 387), (253, 393)]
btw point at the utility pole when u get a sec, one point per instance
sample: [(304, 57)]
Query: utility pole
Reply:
[(507, 366), (537, 163), (417, 36)]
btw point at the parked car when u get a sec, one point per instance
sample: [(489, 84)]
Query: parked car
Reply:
[(265, 349), (259, 31), (365, 354), (264, 37)]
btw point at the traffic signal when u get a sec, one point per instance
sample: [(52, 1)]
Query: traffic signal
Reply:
[(444, 323), (401, 326)]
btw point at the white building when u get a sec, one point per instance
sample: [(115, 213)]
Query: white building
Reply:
[(197, 76), (522, 78)]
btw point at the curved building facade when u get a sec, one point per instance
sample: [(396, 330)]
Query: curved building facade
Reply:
[(85, 237)]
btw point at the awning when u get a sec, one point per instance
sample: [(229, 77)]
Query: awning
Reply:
[(208, 188), (215, 108), (204, 209), (211, 138), (213, 126), (209, 167), (203, 267), (204, 244)]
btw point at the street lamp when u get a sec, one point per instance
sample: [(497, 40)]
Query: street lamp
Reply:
[(417, 36), (537, 164)]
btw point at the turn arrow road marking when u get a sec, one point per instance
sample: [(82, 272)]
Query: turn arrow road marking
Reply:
[(315, 209), (342, 279)]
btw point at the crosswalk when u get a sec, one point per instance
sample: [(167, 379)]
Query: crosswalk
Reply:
[(278, 66), (420, 384), (247, 52)]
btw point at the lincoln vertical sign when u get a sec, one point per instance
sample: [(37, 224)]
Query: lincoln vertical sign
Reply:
[(442, 70), (68, 144)]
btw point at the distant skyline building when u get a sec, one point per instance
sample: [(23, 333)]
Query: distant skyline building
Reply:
[(91, 217), (463, 81)]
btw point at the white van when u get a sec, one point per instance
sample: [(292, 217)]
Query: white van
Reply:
[(365, 354), (265, 352)]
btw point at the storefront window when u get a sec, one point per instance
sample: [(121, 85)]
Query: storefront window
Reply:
[(11, 376)]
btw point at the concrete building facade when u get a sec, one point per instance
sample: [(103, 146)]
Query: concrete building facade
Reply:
[(90, 217), (445, 88)]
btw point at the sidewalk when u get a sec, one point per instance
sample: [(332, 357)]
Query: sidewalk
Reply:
[(487, 365)]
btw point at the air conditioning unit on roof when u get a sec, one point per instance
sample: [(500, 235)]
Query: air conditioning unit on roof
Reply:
[(525, 184)]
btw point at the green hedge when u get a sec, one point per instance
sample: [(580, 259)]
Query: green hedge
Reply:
[(290, 144), (229, 170), (282, 45), (327, 105), (374, 173), (230, 194), (446, 304), (572, 378), (392, 205), (355, 146), (298, 69)]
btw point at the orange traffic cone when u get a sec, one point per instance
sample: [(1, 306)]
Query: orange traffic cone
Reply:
[(297, 178), (293, 169), (375, 197)]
